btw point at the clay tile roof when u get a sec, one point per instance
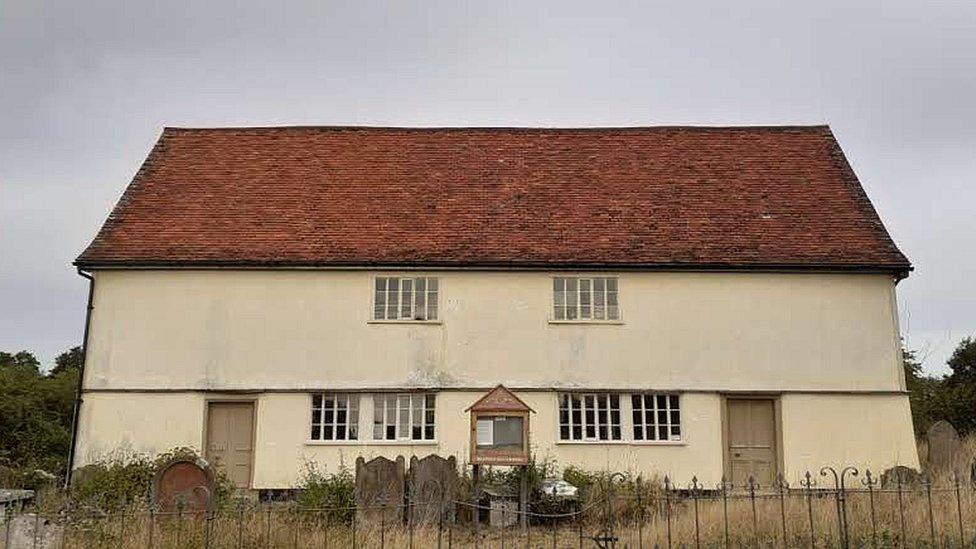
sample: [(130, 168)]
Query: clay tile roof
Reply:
[(687, 197)]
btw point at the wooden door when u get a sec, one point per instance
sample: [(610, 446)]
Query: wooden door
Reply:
[(230, 431), (751, 441)]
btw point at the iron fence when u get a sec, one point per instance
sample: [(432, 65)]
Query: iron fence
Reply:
[(830, 508)]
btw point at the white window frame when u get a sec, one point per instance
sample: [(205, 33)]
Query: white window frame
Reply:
[(408, 315), (352, 411), (585, 290), (404, 416), (590, 402), (672, 408)]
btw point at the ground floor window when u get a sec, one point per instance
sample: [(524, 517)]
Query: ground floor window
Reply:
[(589, 416), (335, 416), (656, 416), (404, 416)]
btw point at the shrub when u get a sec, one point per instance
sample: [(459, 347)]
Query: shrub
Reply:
[(126, 480), (335, 492)]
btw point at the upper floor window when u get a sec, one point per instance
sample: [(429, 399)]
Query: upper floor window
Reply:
[(405, 298), (404, 416), (335, 416), (589, 416), (582, 298)]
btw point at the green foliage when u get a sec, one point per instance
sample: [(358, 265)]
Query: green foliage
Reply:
[(320, 490), (72, 359), (963, 362), (952, 397), (127, 480), (35, 416)]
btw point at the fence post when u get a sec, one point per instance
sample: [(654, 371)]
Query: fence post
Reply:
[(695, 491), (962, 532), (667, 506), (782, 486), (179, 522), (152, 525), (752, 487), (809, 483), (267, 524), (240, 522), (927, 482), (724, 487), (640, 512), (839, 501), (901, 507), (579, 520), (870, 482)]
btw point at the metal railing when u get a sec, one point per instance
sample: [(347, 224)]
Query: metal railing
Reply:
[(830, 508)]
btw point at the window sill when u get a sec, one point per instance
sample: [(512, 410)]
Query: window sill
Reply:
[(597, 322), (370, 443), (409, 322), (623, 442)]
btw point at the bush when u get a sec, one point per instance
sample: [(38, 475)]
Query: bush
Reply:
[(335, 492), (127, 480)]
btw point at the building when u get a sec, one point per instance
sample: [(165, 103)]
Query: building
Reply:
[(679, 300)]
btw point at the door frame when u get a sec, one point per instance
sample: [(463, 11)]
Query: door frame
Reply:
[(253, 401), (778, 461)]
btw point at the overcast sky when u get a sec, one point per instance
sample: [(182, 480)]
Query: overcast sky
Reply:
[(86, 87)]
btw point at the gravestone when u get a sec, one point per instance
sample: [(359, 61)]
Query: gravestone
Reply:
[(184, 483), (899, 474), (31, 531), (944, 445), (379, 490), (433, 482)]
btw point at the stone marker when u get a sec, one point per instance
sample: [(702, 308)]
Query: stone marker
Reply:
[(944, 445), (184, 483), (908, 478), (432, 479), (21, 534), (379, 490)]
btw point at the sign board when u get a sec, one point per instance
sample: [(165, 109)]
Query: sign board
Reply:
[(499, 429)]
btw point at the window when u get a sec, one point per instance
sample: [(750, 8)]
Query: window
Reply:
[(335, 416), (407, 416), (577, 298), (656, 417), (589, 416), (405, 298)]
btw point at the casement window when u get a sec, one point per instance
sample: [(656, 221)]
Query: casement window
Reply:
[(589, 416), (335, 416), (405, 298), (405, 416), (656, 416), (592, 298)]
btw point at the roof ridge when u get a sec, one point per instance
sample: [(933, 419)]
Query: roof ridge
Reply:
[(703, 128)]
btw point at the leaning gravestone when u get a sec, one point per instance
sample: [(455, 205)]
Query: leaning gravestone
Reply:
[(900, 475), (184, 484), (379, 490), (944, 445), (433, 483)]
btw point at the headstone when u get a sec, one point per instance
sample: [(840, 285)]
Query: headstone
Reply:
[(379, 490), (433, 482), (184, 484), (21, 532), (503, 513), (899, 474), (944, 445)]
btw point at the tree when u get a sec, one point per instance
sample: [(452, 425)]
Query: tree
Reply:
[(71, 359), (963, 362), (35, 413), (923, 391), (21, 359)]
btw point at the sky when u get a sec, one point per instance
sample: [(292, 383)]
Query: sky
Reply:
[(86, 88)]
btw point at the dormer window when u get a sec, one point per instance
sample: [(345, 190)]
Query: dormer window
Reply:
[(405, 298)]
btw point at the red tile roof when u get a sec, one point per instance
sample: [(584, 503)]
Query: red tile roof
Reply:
[(747, 197)]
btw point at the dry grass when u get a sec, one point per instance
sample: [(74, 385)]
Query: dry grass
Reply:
[(895, 523)]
